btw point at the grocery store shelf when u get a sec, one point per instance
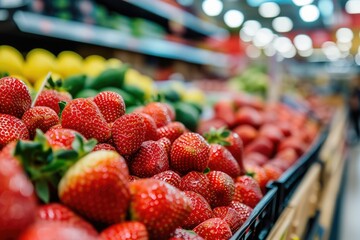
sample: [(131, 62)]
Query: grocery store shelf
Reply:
[(166, 11), (76, 31)]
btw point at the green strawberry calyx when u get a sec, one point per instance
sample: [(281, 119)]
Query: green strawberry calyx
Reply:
[(218, 136)]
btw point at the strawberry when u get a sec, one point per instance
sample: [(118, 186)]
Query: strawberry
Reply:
[(222, 187), (247, 133), (165, 142), (104, 146), (182, 234), (11, 129), (271, 132), (189, 152), (51, 98), (128, 132), (150, 127), (288, 155), (230, 216), (225, 110), (261, 145), (125, 231), (204, 126), (60, 138), (258, 174), (170, 110), (55, 231), (15, 97), (250, 116), (96, 187), (272, 172), (133, 178), (236, 148), (84, 116), (8, 150), (56, 212), (242, 209), (171, 131), (256, 158), (159, 112), (200, 212), (149, 160), (247, 191), (293, 142), (197, 182), (152, 200), (18, 204), (213, 229), (220, 159), (170, 177), (42, 118), (110, 104)]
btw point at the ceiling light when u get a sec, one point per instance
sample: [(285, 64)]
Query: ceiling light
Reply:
[(344, 35), (309, 13), (251, 27), (252, 51), (282, 44), (352, 7), (282, 24), (234, 18), (263, 37), (269, 9), (302, 2), (303, 42), (212, 7)]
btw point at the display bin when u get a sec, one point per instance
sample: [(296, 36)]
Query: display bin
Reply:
[(261, 219)]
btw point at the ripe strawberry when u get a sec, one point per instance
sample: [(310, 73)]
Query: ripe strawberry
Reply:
[(271, 132), (42, 118), (60, 138), (133, 178), (110, 104), (225, 110), (259, 174), (159, 112), (15, 98), (55, 231), (170, 177), (247, 191), (255, 158), (150, 127), (222, 187), (18, 204), (189, 152), (56, 212), (288, 155), (293, 142), (84, 116), (165, 142), (8, 150), (197, 182), (104, 146), (242, 209), (250, 116), (204, 126), (149, 160), (236, 148), (152, 200), (220, 159), (200, 212), (182, 234), (97, 187), (171, 131), (214, 229), (128, 132), (51, 98), (272, 172), (261, 145), (170, 110), (11, 129), (230, 216), (247, 133), (125, 231)]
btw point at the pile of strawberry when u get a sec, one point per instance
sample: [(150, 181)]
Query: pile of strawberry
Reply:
[(86, 169)]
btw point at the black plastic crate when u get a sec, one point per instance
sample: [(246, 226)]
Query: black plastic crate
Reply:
[(261, 220)]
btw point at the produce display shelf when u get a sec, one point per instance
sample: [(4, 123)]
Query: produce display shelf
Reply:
[(38, 24)]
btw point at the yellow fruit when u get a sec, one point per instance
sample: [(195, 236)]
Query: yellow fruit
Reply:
[(11, 60), (179, 87), (39, 81), (194, 95), (132, 76), (38, 63), (113, 63), (94, 65), (69, 63)]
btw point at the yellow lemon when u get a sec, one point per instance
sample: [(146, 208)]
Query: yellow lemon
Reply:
[(132, 76), (69, 63), (11, 60), (94, 65), (55, 76), (113, 63), (38, 63), (194, 95)]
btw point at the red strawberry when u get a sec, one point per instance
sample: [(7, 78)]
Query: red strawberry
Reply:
[(182, 234), (170, 110), (159, 112), (247, 191), (204, 126), (133, 178), (149, 160), (288, 155), (225, 110), (128, 132), (60, 138), (189, 152), (293, 142), (103, 146), (230, 216), (51, 98), (200, 212), (11, 129), (18, 204), (169, 176), (197, 182), (256, 158), (125, 231), (236, 148), (165, 142), (250, 116), (272, 172), (8, 150), (271, 132), (242, 209), (247, 133), (261, 145), (55, 231), (97, 187), (213, 229), (14, 97), (160, 206), (150, 127), (110, 104), (222, 187), (220, 159), (84, 116), (42, 118), (56, 212), (258, 174), (171, 131)]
